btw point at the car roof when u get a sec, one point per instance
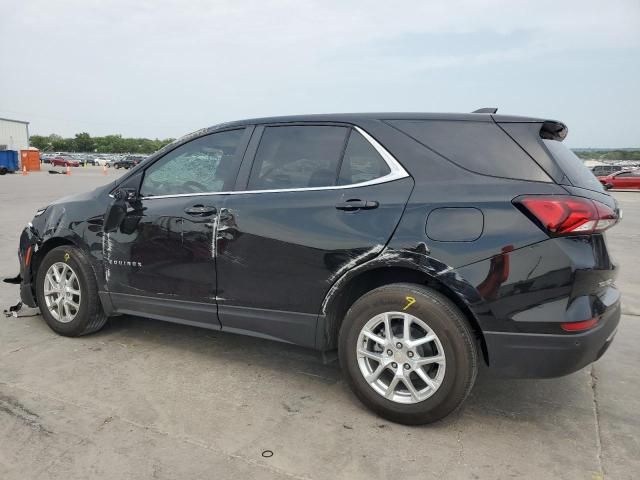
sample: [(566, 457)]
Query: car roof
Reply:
[(359, 117)]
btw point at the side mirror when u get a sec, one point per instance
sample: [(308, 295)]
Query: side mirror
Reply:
[(114, 216), (125, 195), (118, 210)]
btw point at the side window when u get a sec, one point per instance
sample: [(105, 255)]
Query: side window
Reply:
[(199, 166), (481, 147), (361, 162), (297, 157)]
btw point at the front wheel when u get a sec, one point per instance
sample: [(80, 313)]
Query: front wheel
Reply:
[(408, 353), (67, 293)]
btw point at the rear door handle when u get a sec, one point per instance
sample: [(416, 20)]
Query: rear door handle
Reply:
[(352, 205), (200, 210)]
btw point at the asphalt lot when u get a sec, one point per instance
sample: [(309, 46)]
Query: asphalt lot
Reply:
[(146, 399)]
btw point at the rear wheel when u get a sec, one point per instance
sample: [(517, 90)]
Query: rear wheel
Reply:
[(67, 293), (408, 353)]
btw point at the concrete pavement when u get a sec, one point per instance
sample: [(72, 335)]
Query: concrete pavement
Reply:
[(146, 399)]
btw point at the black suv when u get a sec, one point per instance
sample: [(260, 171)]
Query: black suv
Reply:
[(128, 162), (414, 245)]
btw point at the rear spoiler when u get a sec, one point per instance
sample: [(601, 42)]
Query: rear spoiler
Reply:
[(486, 110), (552, 130)]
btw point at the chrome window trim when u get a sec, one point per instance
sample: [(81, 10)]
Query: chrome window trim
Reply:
[(397, 172)]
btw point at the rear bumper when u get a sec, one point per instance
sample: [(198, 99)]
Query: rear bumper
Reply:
[(533, 355)]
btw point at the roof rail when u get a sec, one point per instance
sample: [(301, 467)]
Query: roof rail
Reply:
[(486, 110)]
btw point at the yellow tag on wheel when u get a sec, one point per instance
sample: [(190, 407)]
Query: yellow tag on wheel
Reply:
[(410, 301)]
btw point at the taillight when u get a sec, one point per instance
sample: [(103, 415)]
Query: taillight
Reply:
[(579, 326), (567, 215)]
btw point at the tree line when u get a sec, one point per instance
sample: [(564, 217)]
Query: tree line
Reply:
[(608, 154), (85, 143)]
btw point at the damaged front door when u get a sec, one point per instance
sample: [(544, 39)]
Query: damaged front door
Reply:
[(160, 262)]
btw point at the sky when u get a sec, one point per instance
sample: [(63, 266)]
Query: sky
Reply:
[(163, 68)]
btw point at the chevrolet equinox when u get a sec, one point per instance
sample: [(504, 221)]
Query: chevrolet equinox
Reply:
[(413, 245)]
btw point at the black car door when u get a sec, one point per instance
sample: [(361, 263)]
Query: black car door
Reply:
[(316, 201), (161, 260)]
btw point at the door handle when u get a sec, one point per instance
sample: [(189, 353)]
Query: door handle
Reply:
[(200, 210), (352, 205)]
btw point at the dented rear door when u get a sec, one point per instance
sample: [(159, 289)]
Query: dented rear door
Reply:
[(279, 251)]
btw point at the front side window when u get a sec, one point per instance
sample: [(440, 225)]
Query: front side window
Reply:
[(202, 165), (297, 157)]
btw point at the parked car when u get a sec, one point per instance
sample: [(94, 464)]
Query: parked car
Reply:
[(604, 170), (624, 179), (103, 162), (64, 162), (127, 162), (412, 245)]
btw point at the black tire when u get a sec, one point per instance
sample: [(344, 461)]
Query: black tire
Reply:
[(90, 316), (3, 171), (446, 321)]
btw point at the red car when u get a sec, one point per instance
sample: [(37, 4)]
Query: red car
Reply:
[(622, 179), (64, 162)]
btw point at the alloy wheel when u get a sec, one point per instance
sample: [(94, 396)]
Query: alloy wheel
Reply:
[(400, 357), (62, 292)]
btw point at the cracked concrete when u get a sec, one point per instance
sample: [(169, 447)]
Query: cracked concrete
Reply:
[(145, 399), (596, 417)]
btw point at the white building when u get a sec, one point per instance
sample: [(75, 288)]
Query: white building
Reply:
[(14, 134)]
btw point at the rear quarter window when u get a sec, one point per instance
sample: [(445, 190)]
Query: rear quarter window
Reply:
[(480, 147)]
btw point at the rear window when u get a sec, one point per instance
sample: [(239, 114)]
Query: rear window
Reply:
[(577, 173), (635, 173), (481, 147)]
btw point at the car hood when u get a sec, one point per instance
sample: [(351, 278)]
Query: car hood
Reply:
[(85, 196)]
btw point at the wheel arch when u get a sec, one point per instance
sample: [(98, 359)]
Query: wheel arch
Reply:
[(350, 289), (45, 248)]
